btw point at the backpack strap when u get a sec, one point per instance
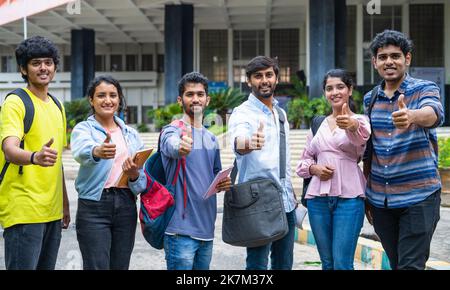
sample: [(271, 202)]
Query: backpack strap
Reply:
[(315, 125), (181, 164), (367, 157), (27, 121), (316, 122)]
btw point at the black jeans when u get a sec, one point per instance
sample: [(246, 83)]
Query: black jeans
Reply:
[(106, 230), (32, 246), (406, 233)]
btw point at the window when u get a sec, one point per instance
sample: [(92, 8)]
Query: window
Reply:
[(145, 118), (132, 113), (116, 62), (131, 61), (8, 64), (248, 44), (284, 44), (390, 18), (214, 54), (147, 62), (427, 33), (99, 63), (67, 63), (160, 66)]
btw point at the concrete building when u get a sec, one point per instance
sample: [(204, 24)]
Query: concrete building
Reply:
[(149, 44)]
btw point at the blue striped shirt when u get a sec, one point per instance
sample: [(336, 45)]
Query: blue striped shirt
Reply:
[(404, 161)]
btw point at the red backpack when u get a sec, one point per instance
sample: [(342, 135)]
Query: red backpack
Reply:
[(158, 200)]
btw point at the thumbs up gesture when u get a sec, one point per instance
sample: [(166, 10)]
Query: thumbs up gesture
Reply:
[(258, 139), (47, 156), (403, 117), (107, 150), (186, 143), (345, 121)]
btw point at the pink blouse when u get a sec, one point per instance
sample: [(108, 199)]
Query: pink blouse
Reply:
[(340, 149)]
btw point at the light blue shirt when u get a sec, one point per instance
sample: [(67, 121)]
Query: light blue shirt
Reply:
[(94, 172), (264, 163)]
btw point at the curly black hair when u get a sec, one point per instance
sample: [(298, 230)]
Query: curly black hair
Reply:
[(391, 37), (35, 47), (192, 77)]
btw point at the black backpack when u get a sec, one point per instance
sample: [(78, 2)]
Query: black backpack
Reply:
[(27, 121), (315, 124)]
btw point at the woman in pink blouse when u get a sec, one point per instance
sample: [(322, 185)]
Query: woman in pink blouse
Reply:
[(335, 194)]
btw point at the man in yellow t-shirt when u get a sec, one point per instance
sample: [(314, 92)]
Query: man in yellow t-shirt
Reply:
[(33, 205)]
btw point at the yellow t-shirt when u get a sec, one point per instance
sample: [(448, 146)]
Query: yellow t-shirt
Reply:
[(36, 196)]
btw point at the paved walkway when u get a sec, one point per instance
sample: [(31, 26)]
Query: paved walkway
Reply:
[(225, 257)]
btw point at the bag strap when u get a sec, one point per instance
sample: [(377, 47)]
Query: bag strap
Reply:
[(27, 121), (181, 164), (316, 122), (282, 143), (367, 156)]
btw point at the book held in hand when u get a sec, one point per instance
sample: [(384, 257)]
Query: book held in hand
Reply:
[(139, 158)]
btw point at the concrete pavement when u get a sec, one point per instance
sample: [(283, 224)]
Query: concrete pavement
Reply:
[(144, 257)]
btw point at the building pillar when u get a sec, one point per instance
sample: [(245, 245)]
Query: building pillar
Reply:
[(323, 45), (340, 17), (447, 61), (82, 61), (179, 47)]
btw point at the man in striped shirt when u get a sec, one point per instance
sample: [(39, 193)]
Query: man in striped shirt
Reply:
[(403, 187)]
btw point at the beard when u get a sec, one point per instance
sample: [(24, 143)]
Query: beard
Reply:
[(188, 109), (258, 92)]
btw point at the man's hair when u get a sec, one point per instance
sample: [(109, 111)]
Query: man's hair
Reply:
[(35, 47), (192, 77), (261, 62), (391, 37), (90, 92)]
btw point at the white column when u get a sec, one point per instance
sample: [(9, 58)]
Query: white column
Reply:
[(405, 19), (447, 41), (359, 45), (196, 48), (230, 57), (267, 42)]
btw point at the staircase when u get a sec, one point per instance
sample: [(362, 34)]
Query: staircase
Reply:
[(297, 144)]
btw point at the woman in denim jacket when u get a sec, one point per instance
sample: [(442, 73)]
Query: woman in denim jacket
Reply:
[(103, 145)]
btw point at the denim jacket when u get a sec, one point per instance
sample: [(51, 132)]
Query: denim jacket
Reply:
[(94, 172)]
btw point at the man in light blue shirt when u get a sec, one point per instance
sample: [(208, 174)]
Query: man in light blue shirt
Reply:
[(255, 136)]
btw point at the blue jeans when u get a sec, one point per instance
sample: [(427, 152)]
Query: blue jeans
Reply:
[(32, 246), (106, 230), (281, 251), (186, 253), (336, 224)]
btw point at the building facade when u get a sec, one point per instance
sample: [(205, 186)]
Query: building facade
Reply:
[(145, 45)]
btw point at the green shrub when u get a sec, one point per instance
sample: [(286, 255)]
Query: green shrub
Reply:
[(164, 115), (76, 111), (302, 110), (142, 128), (444, 152), (224, 101)]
